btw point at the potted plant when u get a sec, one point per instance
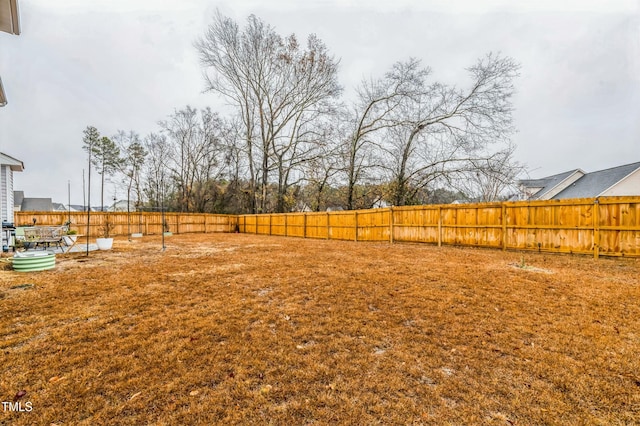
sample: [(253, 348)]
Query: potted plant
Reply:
[(105, 242)]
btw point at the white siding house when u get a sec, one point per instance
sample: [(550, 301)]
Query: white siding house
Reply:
[(8, 165), (548, 187), (629, 185), (616, 181)]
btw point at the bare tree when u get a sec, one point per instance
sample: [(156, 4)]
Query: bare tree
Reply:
[(104, 155), (374, 112), (239, 193), (402, 137), (322, 168), (90, 139), (189, 162), (155, 168), (195, 158), (444, 131), (133, 157), (493, 178), (278, 90)]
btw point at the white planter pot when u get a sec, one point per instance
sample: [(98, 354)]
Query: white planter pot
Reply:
[(104, 243)]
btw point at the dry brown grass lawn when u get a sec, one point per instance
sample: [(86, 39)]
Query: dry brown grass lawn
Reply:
[(237, 329)]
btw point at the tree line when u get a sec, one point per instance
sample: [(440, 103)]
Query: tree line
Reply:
[(291, 141)]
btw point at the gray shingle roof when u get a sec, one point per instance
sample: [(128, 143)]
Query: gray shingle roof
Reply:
[(18, 196), (36, 205), (593, 184), (546, 183)]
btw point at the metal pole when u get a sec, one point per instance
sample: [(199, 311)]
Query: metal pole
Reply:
[(89, 197), (162, 209), (129, 212), (69, 200)]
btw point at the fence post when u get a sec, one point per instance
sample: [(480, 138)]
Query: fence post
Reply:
[(304, 225), (596, 228), (504, 227), (286, 225), (391, 224), (439, 226), (328, 226), (356, 225)]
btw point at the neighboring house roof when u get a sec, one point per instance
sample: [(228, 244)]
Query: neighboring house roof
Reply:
[(59, 207), (121, 205), (36, 205), (18, 196), (597, 183), (81, 208), (549, 183), (13, 163), (616, 181)]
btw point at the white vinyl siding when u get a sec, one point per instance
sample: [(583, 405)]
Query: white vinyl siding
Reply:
[(630, 185), (6, 193)]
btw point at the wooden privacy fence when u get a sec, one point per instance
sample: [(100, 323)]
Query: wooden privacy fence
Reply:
[(122, 223), (601, 227)]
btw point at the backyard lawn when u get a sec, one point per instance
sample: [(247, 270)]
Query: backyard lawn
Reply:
[(245, 329)]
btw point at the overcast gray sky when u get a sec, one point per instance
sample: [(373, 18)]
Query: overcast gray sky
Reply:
[(126, 64)]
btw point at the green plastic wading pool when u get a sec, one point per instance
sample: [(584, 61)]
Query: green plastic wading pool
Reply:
[(34, 261)]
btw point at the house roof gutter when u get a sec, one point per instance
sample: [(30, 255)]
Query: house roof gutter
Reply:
[(9, 18), (13, 163), (9, 23), (3, 97)]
